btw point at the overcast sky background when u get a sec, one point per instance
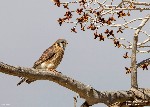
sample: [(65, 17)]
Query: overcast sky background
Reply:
[(28, 27)]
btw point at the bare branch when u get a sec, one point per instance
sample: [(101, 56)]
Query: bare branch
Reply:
[(139, 51), (134, 83), (144, 62), (91, 95), (142, 24)]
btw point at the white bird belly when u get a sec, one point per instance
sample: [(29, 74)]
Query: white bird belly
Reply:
[(46, 65)]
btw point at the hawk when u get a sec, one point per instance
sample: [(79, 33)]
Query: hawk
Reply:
[(50, 58)]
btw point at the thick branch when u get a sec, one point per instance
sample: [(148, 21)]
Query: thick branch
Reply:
[(86, 92), (134, 83)]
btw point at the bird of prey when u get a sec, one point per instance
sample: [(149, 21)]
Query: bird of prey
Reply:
[(50, 58)]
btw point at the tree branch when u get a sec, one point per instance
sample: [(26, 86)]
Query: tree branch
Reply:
[(91, 95), (134, 83), (143, 62)]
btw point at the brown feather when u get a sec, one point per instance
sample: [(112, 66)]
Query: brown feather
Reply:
[(47, 54)]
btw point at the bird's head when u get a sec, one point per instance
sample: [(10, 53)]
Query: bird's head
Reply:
[(62, 43)]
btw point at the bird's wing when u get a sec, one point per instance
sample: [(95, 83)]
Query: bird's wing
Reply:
[(47, 54)]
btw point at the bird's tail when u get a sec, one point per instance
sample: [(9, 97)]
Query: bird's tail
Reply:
[(25, 80)]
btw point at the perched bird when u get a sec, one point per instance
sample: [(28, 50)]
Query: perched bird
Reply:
[(50, 58)]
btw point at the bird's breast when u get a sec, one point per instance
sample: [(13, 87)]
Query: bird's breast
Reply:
[(52, 62), (45, 65), (57, 58)]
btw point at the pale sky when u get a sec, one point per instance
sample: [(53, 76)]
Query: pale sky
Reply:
[(28, 27)]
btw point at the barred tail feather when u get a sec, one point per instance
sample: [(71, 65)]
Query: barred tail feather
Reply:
[(25, 80)]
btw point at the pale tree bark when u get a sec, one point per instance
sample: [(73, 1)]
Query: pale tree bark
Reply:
[(134, 82), (91, 95)]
